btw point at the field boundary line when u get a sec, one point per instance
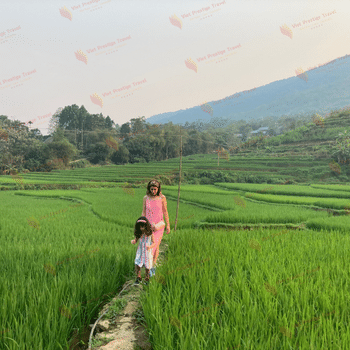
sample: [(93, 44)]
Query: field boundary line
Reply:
[(246, 226), (195, 204), (313, 207)]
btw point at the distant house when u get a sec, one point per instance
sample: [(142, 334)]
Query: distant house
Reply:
[(238, 135), (263, 129)]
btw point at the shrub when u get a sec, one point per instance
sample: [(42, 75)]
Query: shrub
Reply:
[(81, 163)]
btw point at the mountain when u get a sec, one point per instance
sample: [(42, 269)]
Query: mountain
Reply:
[(320, 90)]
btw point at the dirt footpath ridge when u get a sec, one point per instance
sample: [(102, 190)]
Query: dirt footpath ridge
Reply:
[(123, 329)]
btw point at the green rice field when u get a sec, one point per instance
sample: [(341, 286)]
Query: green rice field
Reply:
[(245, 269)]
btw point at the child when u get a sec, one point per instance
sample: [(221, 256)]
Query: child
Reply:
[(143, 231)]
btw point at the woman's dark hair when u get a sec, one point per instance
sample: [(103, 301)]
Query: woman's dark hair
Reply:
[(137, 232), (153, 183)]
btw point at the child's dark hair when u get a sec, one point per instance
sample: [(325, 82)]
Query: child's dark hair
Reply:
[(140, 222), (153, 183)]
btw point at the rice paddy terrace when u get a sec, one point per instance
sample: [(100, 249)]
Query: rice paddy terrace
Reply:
[(251, 266), (248, 167), (301, 156)]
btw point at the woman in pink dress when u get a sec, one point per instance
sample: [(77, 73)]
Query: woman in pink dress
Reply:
[(154, 207)]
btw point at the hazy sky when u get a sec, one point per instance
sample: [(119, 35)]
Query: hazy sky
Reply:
[(58, 53)]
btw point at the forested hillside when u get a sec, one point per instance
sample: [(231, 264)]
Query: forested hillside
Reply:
[(79, 139)]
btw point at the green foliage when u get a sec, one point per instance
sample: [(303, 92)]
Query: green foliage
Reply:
[(283, 188), (77, 281), (255, 213), (162, 142), (210, 177), (339, 223), (98, 153), (194, 305), (60, 148), (208, 274), (341, 150), (138, 124), (121, 156), (81, 163), (125, 129), (334, 203), (35, 156)]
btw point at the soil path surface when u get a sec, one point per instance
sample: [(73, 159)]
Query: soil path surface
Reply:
[(123, 330)]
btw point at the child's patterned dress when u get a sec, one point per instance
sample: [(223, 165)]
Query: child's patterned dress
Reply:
[(144, 256)]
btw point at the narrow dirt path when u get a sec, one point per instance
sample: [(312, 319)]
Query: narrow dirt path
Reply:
[(124, 329)]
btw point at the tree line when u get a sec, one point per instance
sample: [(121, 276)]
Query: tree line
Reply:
[(74, 133)]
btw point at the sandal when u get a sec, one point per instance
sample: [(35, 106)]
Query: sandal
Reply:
[(138, 280)]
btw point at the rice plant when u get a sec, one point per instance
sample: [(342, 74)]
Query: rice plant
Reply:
[(64, 251), (335, 203), (234, 299), (292, 190)]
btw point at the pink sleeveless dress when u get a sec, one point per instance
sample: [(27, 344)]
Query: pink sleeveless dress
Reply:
[(154, 214)]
